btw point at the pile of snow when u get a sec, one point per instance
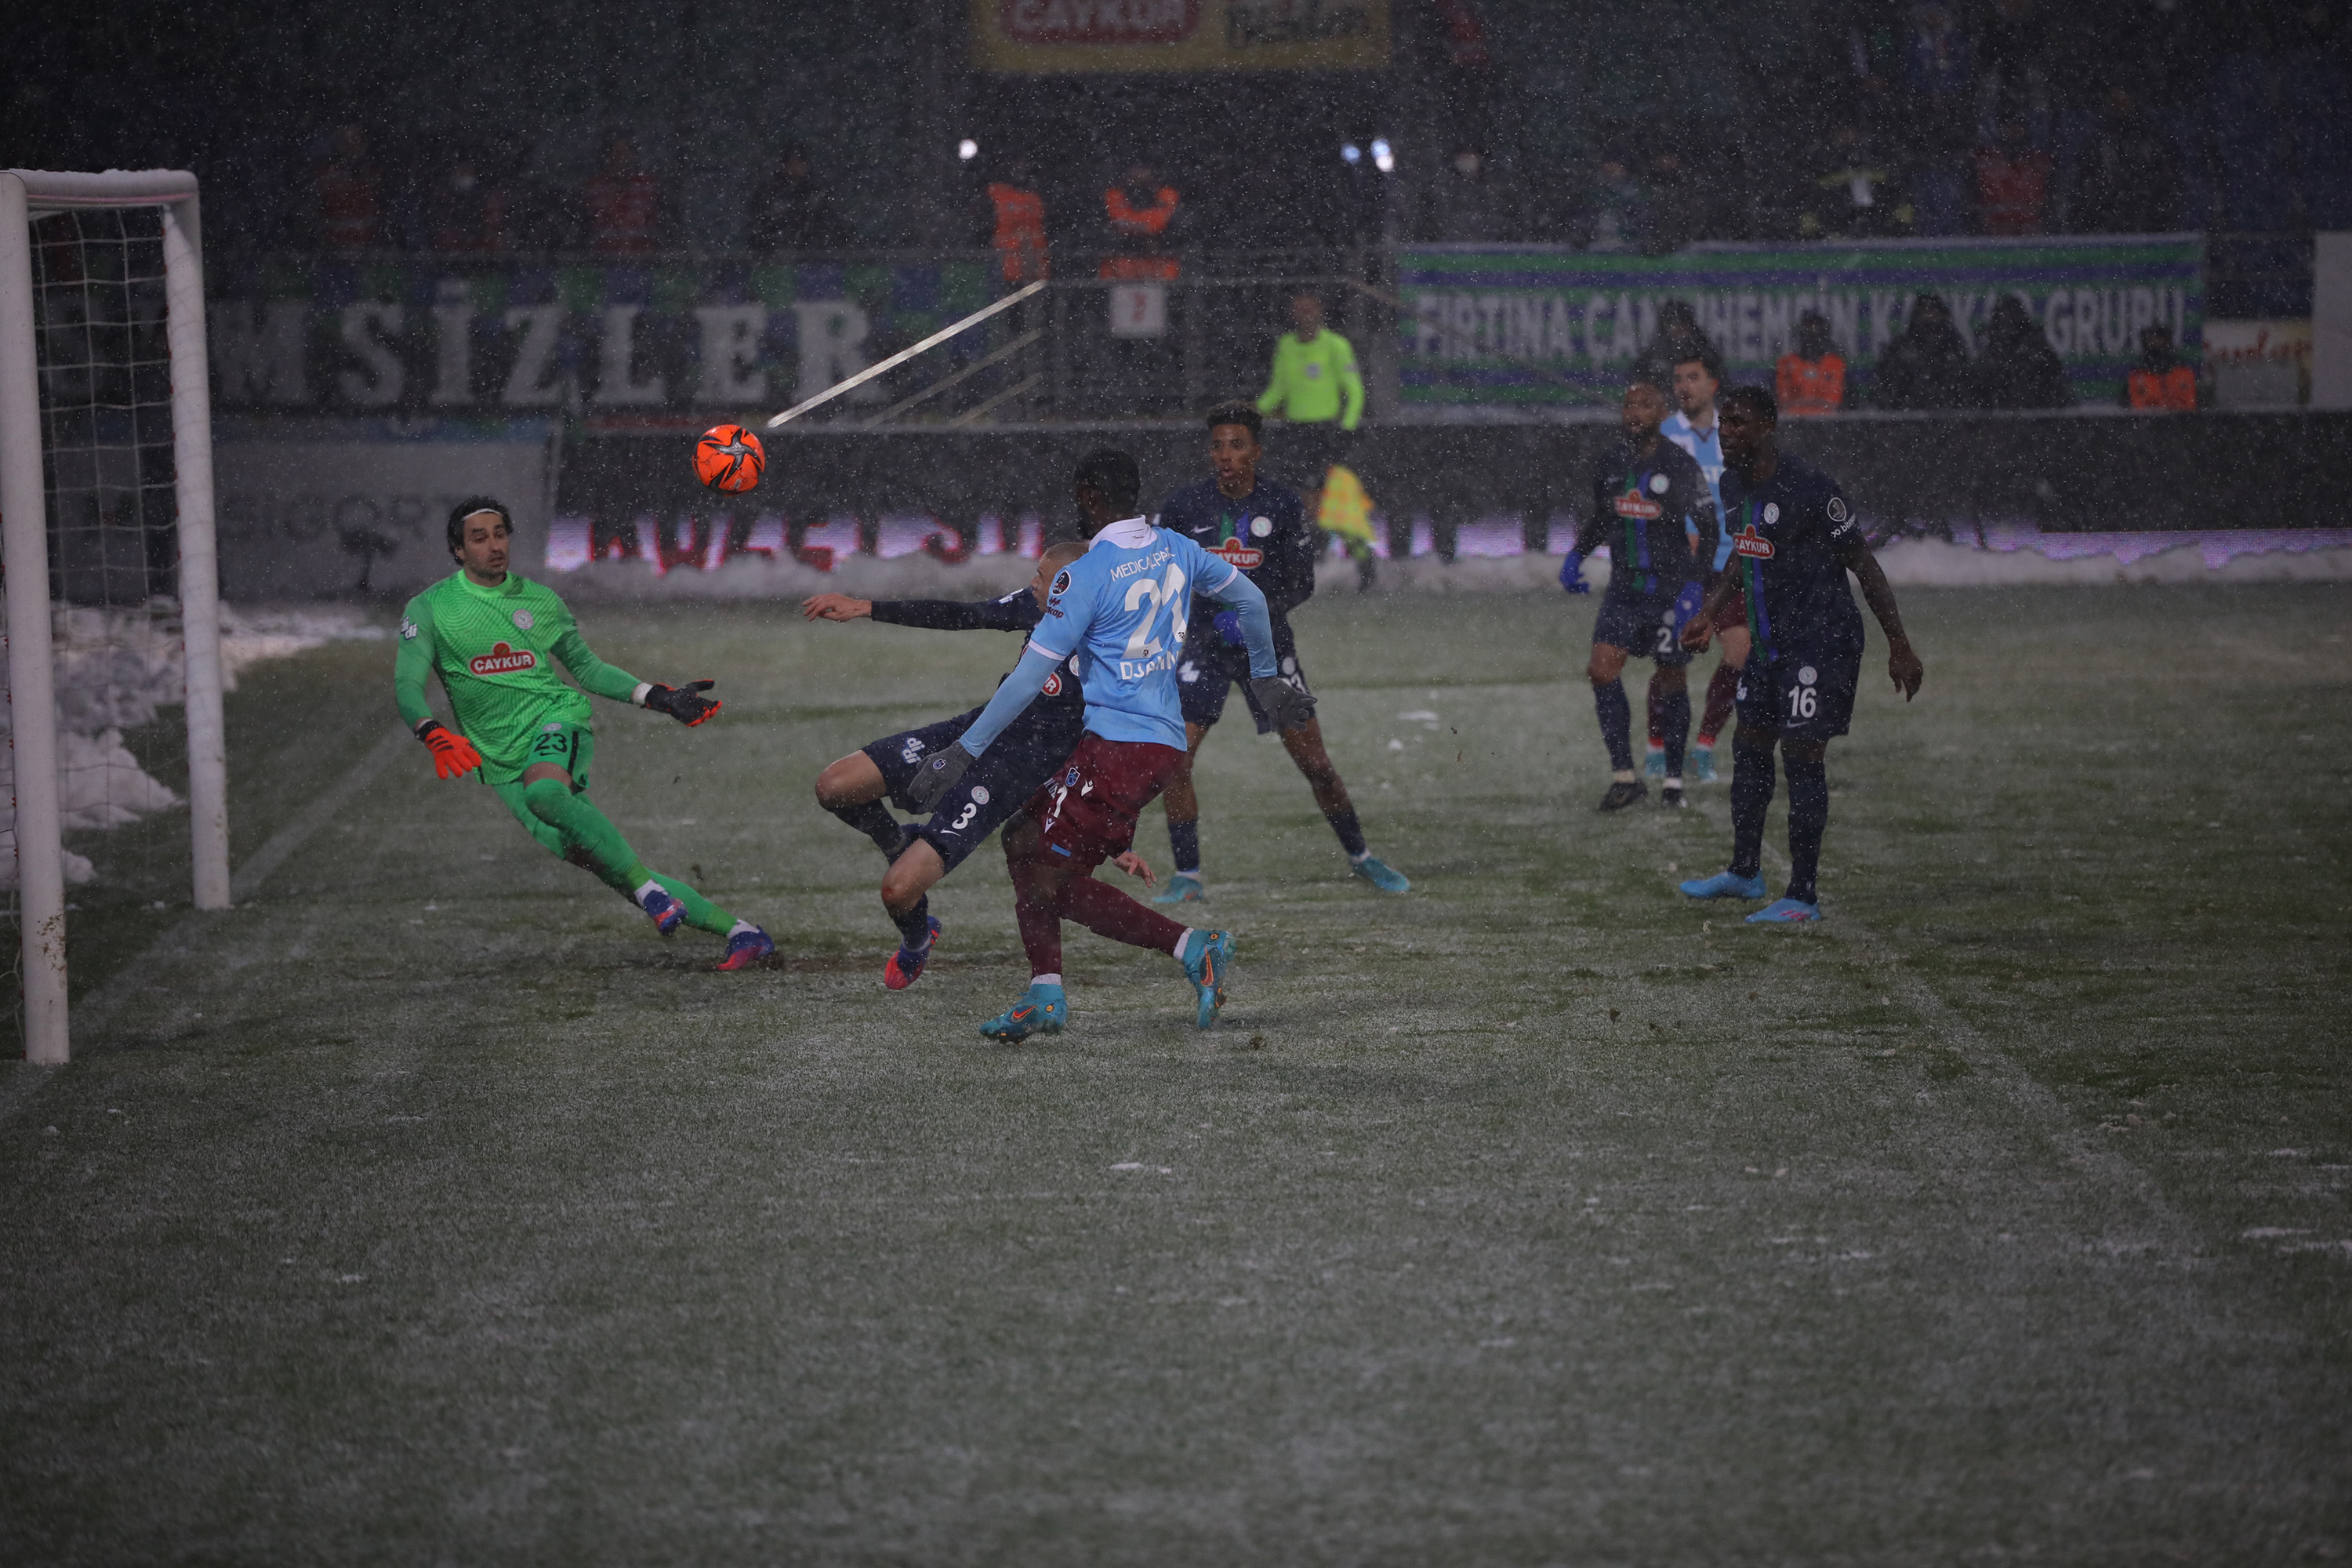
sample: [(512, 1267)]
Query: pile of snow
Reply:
[(116, 671)]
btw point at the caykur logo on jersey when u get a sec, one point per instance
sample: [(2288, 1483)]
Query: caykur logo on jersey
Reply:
[(1236, 554), (1752, 544), (1633, 503), (503, 660)]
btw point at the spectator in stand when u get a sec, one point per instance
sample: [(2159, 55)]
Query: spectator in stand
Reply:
[(2019, 369), (349, 196), (1940, 116), (624, 203), (1676, 341), (1811, 382), (2014, 54), (1927, 365), (1678, 206), (1139, 227), (1469, 202), (2126, 174), (464, 212), (1856, 194), (2160, 383), (2013, 183), (1012, 223), (1615, 215), (792, 209)]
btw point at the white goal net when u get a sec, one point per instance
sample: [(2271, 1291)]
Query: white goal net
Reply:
[(114, 770)]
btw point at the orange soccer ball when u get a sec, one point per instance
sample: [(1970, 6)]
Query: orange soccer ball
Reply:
[(729, 457)]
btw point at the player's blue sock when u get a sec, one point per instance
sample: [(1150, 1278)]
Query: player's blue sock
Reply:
[(1673, 719), (1751, 797), (1350, 832), (915, 925), (1616, 723), (1184, 844), (1809, 818)]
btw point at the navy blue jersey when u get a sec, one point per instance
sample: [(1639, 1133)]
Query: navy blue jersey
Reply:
[(1015, 612), (1265, 533), (1645, 506), (1786, 536)]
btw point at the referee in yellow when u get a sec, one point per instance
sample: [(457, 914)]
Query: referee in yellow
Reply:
[(1318, 395), (1315, 390)]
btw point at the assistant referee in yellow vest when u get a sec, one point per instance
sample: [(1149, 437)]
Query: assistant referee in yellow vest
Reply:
[(1316, 391)]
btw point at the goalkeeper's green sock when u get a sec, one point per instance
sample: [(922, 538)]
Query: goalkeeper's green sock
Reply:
[(701, 912), (590, 832)]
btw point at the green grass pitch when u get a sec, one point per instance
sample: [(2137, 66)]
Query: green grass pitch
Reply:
[(428, 1208)]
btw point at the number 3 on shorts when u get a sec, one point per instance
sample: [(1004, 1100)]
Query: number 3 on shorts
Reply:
[(1803, 704)]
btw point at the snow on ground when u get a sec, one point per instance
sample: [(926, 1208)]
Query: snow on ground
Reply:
[(115, 669)]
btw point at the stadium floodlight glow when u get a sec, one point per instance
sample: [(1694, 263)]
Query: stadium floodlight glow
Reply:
[(1383, 157), (1350, 155), (115, 237), (967, 150)]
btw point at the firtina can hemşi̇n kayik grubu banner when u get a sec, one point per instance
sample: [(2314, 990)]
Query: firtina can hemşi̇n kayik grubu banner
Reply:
[(1532, 325)]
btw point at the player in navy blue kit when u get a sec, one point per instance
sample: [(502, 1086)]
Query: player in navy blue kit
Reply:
[(1122, 611), (1649, 501), (855, 788), (1794, 537), (1261, 527)]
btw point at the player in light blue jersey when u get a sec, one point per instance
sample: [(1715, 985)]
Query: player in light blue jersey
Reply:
[(1697, 382), (1121, 609)]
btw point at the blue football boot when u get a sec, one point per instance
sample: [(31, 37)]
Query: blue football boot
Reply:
[(1183, 888), (1725, 885), (1042, 1010), (746, 948), (1381, 874), (1207, 968), (1786, 913), (667, 911)]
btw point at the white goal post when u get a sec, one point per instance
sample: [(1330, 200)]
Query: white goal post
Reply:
[(27, 195)]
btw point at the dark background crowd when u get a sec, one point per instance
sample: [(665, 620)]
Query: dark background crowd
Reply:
[(564, 125)]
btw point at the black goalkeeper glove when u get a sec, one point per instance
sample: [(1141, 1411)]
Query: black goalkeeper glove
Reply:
[(937, 775), (1290, 707), (686, 703)]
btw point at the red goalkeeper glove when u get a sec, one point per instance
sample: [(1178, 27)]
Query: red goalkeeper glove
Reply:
[(686, 703), (453, 755)]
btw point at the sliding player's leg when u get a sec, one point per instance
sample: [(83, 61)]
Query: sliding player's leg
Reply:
[(858, 787)]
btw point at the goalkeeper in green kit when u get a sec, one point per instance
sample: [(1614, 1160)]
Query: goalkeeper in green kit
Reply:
[(489, 636)]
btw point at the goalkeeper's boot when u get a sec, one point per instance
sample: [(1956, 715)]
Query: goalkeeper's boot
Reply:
[(1183, 888), (1381, 874), (1623, 793), (1702, 764), (667, 911), (1786, 913), (1654, 761), (1208, 956), (906, 965), (1042, 1010), (745, 947), (1725, 885)]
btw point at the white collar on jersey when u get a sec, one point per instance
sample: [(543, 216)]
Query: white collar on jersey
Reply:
[(1128, 533)]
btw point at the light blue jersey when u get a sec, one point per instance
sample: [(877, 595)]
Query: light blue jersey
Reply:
[(1121, 608), (1706, 447)]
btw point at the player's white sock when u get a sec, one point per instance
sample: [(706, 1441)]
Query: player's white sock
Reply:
[(651, 887), (1673, 781), (1037, 980), (740, 927), (1359, 859), (1621, 775), (1183, 942)]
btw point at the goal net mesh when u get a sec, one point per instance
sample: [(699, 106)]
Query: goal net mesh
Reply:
[(105, 386)]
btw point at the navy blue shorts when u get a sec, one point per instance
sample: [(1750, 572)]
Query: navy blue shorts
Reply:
[(1211, 667), (1641, 624), (1804, 694), (994, 788)]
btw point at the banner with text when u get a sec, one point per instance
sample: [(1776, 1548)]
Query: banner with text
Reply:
[(1528, 325), (449, 338), (1050, 36)]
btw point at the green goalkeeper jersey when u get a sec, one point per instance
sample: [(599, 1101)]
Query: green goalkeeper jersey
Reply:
[(494, 650)]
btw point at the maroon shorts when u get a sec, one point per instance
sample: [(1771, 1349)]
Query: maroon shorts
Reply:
[(1733, 615), (1085, 814)]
